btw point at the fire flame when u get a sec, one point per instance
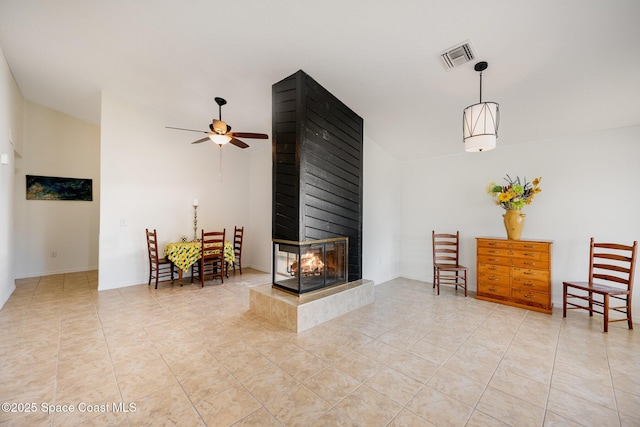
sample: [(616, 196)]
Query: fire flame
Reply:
[(311, 264)]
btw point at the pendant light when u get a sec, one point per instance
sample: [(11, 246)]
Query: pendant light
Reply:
[(480, 121)]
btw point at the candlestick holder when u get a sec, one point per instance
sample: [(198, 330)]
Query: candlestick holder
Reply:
[(195, 223)]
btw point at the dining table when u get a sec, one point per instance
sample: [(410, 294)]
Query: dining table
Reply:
[(185, 254)]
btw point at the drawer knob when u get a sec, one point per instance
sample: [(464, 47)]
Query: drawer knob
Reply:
[(529, 254), (494, 259), (529, 263), (530, 273), (530, 296), (493, 278), (492, 268)]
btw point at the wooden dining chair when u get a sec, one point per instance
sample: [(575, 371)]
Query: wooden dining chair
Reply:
[(611, 269), (446, 267), (159, 267), (212, 260), (238, 235)]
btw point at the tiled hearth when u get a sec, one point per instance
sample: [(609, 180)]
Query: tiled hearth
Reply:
[(298, 313)]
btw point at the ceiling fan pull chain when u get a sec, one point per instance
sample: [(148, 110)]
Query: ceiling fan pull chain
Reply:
[(220, 166)]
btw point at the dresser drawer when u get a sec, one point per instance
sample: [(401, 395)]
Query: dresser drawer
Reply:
[(500, 252), (541, 264), (528, 273), (493, 269), (540, 299), (492, 289), (494, 259), (530, 246), (494, 278), (530, 255), (528, 284), (496, 244)]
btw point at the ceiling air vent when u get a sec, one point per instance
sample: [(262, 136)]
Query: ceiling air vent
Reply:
[(457, 55)]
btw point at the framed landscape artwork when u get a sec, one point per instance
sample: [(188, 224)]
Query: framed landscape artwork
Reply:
[(55, 188)]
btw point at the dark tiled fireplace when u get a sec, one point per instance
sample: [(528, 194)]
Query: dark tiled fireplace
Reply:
[(317, 187)]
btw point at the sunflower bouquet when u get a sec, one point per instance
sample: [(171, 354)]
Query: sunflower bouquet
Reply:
[(515, 194)]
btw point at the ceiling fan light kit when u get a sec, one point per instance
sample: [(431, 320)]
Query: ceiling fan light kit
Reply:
[(219, 139), (480, 121)]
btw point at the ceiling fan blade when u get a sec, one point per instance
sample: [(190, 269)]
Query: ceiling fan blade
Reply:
[(201, 140), (190, 130), (249, 135), (238, 143)]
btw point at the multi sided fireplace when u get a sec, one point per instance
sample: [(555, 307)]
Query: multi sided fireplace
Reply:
[(317, 187), (301, 267)]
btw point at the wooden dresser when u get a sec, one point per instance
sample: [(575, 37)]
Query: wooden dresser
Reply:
[(514, 272)]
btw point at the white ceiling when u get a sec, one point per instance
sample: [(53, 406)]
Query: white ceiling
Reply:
[(556, 67)]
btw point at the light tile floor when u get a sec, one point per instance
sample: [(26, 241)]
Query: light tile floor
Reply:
[(195, 356)]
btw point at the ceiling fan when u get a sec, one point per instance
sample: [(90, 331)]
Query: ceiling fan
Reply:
[(220, 132)]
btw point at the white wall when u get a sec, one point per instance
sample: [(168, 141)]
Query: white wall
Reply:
[(150, 176), (56, 145), (589, 189), (11, 104), (257, 246), (382, 214)]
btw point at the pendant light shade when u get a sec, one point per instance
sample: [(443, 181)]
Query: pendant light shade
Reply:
[(480, 122), (480, 126)]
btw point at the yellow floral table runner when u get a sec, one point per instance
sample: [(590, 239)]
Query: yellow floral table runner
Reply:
[(185, 254)]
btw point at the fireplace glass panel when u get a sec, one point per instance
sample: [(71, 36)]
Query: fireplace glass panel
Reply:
[(301, 267)]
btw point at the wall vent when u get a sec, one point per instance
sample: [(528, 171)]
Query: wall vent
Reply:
[(457, 55)]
